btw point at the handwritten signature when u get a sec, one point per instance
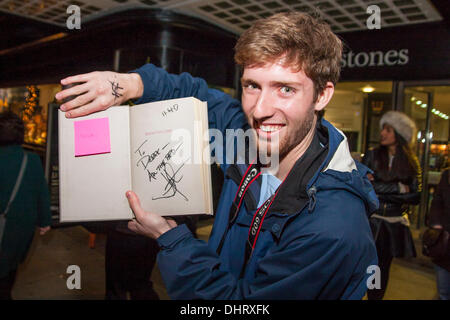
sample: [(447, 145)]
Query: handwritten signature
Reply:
[(171, 175)]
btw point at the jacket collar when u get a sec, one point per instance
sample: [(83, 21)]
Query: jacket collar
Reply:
[(334, 160), (292, 195)]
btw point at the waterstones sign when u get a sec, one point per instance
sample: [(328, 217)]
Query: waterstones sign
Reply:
[(397, 54), (375, 59)]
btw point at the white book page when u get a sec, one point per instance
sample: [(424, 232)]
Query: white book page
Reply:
[(202, 113), (92, 187), (166, 169)]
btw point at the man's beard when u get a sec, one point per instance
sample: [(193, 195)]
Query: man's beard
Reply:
[(289, 141)]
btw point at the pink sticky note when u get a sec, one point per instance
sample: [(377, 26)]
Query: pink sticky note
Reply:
[(92, 137)]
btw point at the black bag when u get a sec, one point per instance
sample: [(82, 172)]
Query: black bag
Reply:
[(435, 243)]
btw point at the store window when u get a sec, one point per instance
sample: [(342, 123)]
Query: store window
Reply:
[(356, 108), (429, 107), (435, 101), (31, 104)]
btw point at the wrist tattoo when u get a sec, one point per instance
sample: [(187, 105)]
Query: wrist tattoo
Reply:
[(115, 89)]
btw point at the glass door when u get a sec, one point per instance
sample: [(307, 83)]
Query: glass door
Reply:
[(429, 107)]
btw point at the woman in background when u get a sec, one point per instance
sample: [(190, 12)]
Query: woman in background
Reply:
[(30, 207), (397, 183)]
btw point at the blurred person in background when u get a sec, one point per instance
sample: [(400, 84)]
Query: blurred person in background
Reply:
[(397, 183), (29, 208), (439, 218)]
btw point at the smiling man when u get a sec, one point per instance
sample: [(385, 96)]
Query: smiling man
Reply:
[(300, 232), (278, 101)]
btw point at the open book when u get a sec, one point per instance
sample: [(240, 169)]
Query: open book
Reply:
[(160, 150)]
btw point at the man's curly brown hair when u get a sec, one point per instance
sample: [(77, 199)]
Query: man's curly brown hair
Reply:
[(305, 43)]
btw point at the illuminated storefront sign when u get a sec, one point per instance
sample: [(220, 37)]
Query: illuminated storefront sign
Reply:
[(375, 58)]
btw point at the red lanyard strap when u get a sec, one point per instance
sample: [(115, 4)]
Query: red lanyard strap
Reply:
[(257, 221), (252, 173), (255, 227), (249, 177)]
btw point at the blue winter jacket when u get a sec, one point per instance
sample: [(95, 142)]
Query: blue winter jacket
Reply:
[(321, 251)]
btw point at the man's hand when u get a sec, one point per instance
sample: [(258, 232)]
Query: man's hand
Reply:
[(98, 91), (43, 230), (147, 223)]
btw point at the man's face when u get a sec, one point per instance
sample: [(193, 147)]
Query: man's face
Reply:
[(278, 100)]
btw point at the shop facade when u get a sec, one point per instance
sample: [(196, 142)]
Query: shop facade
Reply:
[(405, 69)]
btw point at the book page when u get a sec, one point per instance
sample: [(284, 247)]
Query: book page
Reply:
[(166, 160), (202, 113), (94, 166)]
